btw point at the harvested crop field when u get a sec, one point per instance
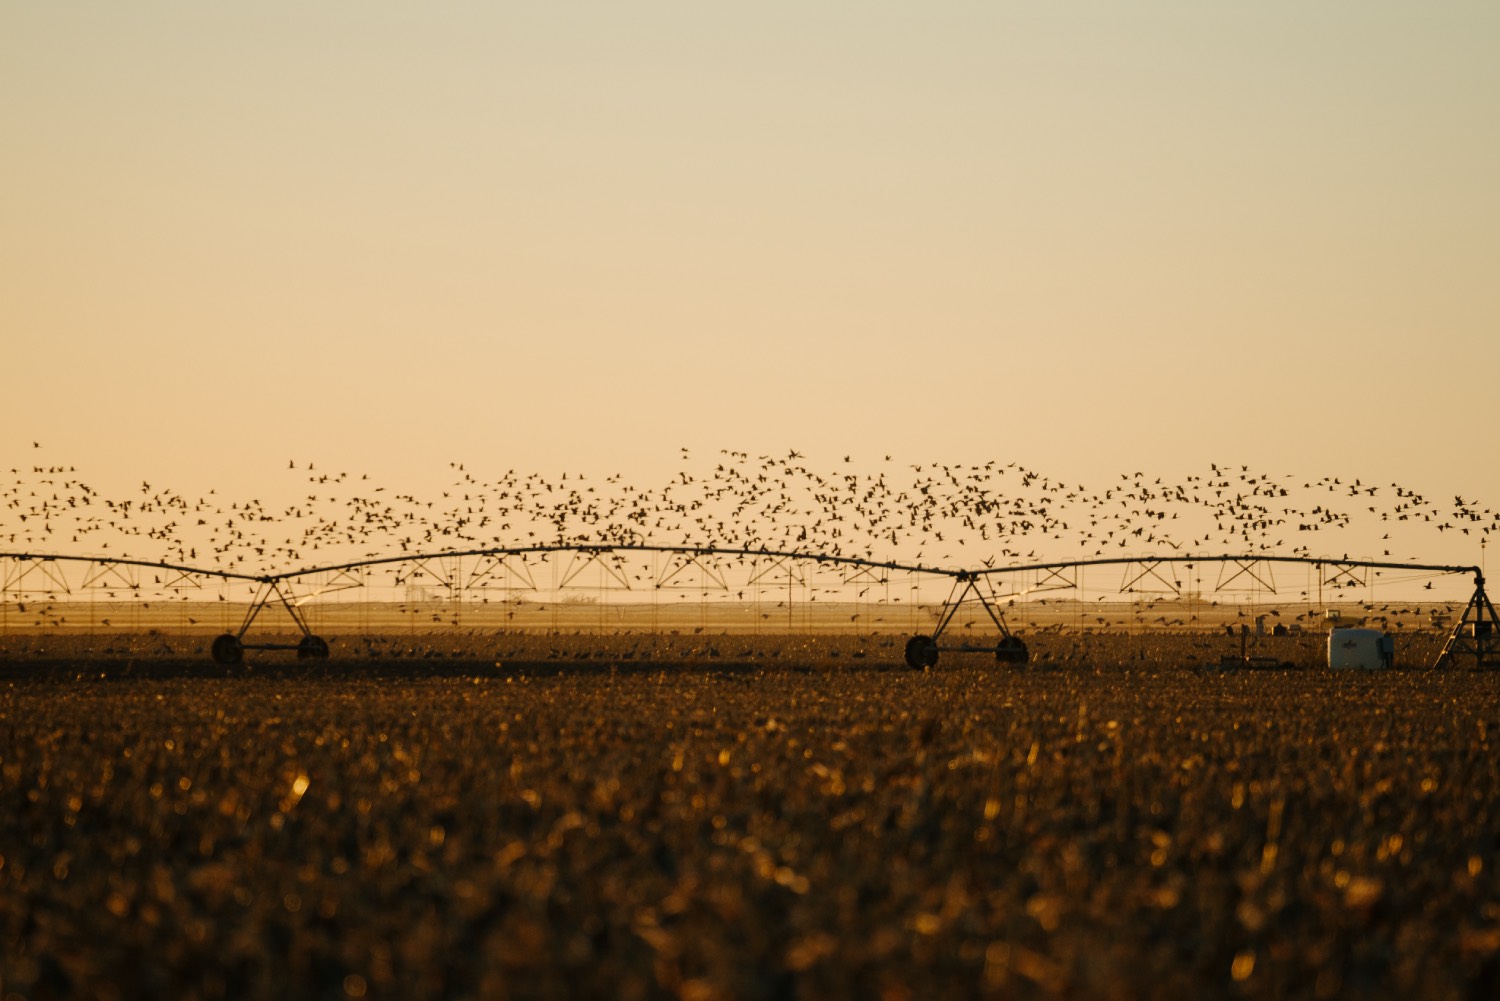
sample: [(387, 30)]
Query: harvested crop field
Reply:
[(806, 825)]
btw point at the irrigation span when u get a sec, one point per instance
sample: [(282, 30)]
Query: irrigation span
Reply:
[(653, 582)]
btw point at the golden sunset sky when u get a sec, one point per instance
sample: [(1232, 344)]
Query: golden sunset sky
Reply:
[(1090, 237)]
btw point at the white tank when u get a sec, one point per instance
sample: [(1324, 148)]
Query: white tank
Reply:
[(1361, 649)]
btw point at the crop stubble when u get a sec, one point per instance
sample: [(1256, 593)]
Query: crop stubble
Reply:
[(750, 832)]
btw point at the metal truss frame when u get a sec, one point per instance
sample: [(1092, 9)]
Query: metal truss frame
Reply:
[(1476, 636), (1148, 569), (264, 593), (1264, 579), (682, 562), (966, 589)]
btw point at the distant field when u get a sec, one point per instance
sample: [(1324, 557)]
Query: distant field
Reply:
[(465, 648), (72, 616), (790, 823), (1058, 633)]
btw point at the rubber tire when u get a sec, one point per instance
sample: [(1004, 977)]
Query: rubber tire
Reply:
[(921, 653), (227, 650), (312, 647), (1012, 650)]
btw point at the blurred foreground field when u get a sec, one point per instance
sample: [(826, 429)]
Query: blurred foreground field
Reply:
[(811, 824)]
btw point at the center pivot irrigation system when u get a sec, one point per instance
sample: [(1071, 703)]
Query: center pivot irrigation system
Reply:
[(651, 570)]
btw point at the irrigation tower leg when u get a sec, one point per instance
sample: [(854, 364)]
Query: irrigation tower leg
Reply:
[(922, 651), (230, 648), (1477, 633)]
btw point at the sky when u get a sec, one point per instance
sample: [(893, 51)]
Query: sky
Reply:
[(1085, 236)]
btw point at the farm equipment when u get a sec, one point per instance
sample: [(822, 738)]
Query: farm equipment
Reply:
[(922, 651), (229, 649)]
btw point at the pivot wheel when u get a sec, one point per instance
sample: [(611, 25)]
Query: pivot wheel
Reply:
[(1011, 650), (921, 652), (312, 646), (227, 649)]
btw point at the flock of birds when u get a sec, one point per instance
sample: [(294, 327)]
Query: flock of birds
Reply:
[(993, 514)]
